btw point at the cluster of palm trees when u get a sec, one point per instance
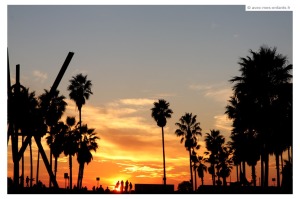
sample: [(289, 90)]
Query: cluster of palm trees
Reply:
[(261, 110), (189, 131), (42, 116)]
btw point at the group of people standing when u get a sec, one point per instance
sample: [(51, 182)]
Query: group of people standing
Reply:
[(127, 185)]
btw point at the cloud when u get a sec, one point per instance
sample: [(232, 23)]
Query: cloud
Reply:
[(220, 95), (39, 76), (137, 101), (200, 87), (218, 92), (223, 124)]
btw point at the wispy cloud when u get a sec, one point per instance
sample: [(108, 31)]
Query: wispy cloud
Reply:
[(223, 124), (221, 95), (218, 92), (39, 76), (137, 101)]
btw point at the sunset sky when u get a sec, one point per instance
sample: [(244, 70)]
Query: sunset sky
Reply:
[(135, 55)]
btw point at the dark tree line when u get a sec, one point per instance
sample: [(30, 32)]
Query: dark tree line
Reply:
[(42, 116), (261, 111)]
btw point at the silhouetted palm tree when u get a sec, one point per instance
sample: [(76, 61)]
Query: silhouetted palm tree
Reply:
[(201, 169), (57, 144), (238, 137), (160, 113), (253, 155), (195, 163), (224, 163), (214, 142), (71, 140), (263, 75), (189, 130), (80, 91), (53, 108), (26, 113), (88, 143)]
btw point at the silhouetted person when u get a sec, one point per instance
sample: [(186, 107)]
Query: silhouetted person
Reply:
[(117, 185), (27, 181), (126, 186), (130, 186), (107, 190), (101, 190), (122, 185)]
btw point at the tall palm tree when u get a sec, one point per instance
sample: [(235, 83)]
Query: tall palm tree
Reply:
[(80, 91), (225, 163), (201, 169), (263, 74), (57, 144), (282, 123), (88, 144), (160, 113), (214, 142), (30, 126), (253, 155), (70, 145), (189, 130), (241, 123), (32, 122), (53, 108)]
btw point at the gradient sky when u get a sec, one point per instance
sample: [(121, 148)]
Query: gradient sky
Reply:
[(135, 55)]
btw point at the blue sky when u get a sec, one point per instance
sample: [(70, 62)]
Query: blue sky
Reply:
[(135, 55), (187, 53)]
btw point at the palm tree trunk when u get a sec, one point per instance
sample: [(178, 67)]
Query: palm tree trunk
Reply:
[(244, 169), (164, 163), (14, 143), (37, 167), (224, 182), (277, 168), (289, 155), (237, 173), (191, 171), (218, 173), (195, 177), (214, 175), (55, 167), (78, 177), (202, 181), (79, 174), (82, 169), (70, 167), (22, 179), (50, 166), (253, 175), (281, 161), (31, 165), (262, 174), (266, 183)]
